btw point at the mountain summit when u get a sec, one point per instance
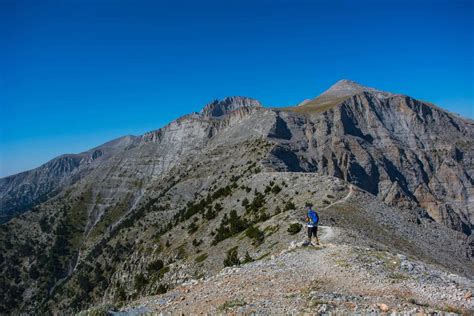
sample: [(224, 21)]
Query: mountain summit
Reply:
[(340, 90), (346, 87)]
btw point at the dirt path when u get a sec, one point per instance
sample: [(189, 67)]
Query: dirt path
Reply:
[(307, 279), (344, 199)]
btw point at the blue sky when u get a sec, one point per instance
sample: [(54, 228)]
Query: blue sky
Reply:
[(77, 73)]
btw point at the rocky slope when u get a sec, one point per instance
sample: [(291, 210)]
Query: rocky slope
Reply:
[(20, 192), (153, 211)]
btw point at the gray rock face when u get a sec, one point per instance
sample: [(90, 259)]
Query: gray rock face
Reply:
[(407, 152), (218, 108)]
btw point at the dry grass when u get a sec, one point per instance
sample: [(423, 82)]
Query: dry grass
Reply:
[(316, 106)]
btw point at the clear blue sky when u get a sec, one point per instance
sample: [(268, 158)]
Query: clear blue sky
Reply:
[(77, 73)]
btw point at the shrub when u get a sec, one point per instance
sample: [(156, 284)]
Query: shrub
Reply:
[(294, 228), (256, 234), (222, 192), (120, 294), (162, 272), (45, 226), (247, 258), (210, 214), (289, 206), (162, 289), (155, 266), (140, 282), (192, 228), (230, 226), (232, 258), (218, 207), (276, 189), (257, 202), (196, 243), (245, 202), (277, 210)]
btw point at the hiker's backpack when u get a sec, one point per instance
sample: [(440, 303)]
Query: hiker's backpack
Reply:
[(313, 217)]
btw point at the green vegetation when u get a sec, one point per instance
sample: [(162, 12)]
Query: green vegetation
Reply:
[(162, 289), (276, 189), (263, 256), (154, 266), (196, 243), (111, 215), (232, 258), (289, 206), (247, 258), (231, 304), (140, 282), (192, 228), (257, 203), (120, 294), (229, 226), (255, 234), (201, 258), (316, 106), (294, 228)]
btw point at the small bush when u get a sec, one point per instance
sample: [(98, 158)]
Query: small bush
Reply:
[(210, 214), (155, 266), (247, 258), (140, 282), (196, 243), (276, 189), (256, 234), (230, 225), (232, 258), (294, 228), (289, 206), (162, 289), (192, 228), (268, 189)]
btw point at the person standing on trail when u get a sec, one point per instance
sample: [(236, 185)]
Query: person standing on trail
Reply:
[(312, 219)]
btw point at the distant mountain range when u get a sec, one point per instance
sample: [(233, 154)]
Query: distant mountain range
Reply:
[(75, 230)]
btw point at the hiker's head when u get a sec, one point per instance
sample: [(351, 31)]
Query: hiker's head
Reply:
[(309, 205)]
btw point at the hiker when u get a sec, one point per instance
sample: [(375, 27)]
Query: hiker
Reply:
[(312, 219)]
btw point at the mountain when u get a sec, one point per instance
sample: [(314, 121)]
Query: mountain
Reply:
[(20, 192), (141, 215)]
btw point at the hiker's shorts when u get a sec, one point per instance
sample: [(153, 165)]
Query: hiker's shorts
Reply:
[(312, 231)]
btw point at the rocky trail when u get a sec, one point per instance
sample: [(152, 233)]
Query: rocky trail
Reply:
[(329, 278)]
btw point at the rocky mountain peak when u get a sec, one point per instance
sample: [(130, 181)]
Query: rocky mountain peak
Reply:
[(346, 87), (218, 108)]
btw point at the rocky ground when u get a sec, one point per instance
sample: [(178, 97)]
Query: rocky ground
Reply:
[(330, 278)]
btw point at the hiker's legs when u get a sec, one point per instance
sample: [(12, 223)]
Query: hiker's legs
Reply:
[(310, 232), (316, 234)]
